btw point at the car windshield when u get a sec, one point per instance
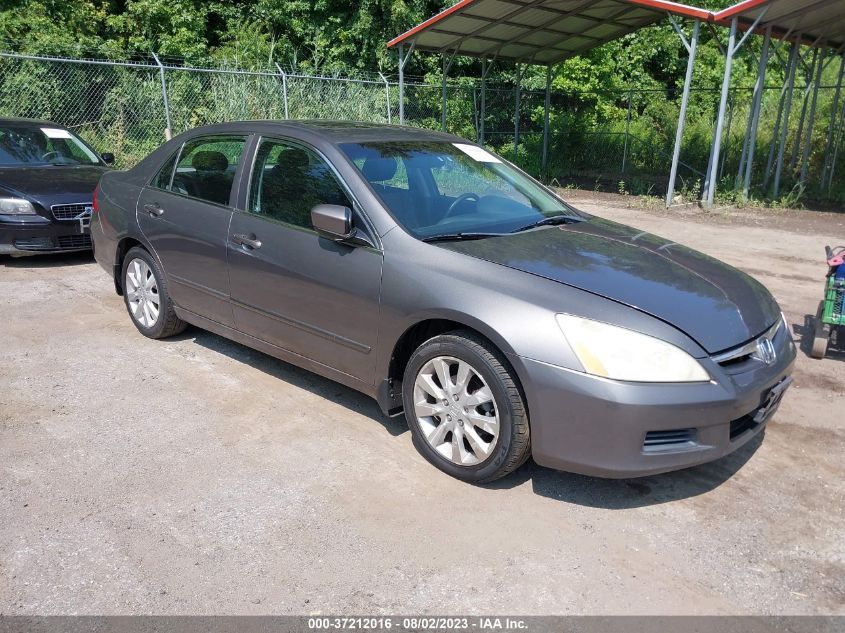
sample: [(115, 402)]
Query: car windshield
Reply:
[(438, 188), (30, 144)]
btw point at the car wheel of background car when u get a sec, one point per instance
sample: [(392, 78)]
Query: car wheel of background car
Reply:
[(821, 334), (146, 298), (464, 408)]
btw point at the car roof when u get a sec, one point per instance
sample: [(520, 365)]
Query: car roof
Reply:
[(35, 122), (332, 131)]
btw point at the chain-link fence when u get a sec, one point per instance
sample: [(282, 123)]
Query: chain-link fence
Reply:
[(607, 140)]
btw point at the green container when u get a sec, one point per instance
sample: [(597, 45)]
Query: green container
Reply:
[(832, 314)]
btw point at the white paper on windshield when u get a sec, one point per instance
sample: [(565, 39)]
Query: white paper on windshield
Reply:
[(477, 153), (52, 132)]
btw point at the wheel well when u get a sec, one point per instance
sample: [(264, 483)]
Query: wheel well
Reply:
[(122, 248), (416, 336), (391, 398)]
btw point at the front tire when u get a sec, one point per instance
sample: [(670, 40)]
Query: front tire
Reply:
[(464, 408), (146, 298)]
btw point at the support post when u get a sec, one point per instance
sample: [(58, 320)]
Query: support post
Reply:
[(485, 70), (403, 59), (747, 160), (546, 108), (784, 131), (483, 101), (401, 86), (386, 96), (755, 113), (775, 135), (834, 109), (808, 140), (284, 89), (516, 111), (168, 131), (627, 131), (447, 64), (731, 108), (713, 169), (839, 140), (692, 47), (799, 133)]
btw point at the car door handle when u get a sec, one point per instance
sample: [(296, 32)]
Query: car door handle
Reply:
[(154, 210), (246, 241)]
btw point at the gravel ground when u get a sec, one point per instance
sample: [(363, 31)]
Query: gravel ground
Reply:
[(197, 476)]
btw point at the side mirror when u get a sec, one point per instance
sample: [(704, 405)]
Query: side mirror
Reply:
[(108, 158), (333, 221)]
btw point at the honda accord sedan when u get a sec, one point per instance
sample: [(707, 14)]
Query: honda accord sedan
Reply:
[(436, 277), (47, 180)]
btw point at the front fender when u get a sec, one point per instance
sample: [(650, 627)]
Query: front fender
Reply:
[(515, 310)]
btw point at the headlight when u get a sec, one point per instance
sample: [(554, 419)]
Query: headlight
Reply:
[(614, 352), (16, 206)]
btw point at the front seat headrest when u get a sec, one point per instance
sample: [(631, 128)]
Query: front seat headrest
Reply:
[(292, 159), (379, 169)]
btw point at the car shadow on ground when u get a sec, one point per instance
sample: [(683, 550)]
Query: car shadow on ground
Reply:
[(613, 494), (805, 333), (621, 494), (47, 261), (301, 378)]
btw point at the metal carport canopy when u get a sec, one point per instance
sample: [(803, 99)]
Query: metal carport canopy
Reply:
[(818, 21), (537, 31)]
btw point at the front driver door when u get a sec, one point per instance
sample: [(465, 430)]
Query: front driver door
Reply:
[(290, 287), (185, 214)]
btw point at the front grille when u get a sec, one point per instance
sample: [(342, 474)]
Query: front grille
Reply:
[(74, 241), (740, 358), (69, 211), (668, 440), (35, 244), (61, 243), (741, 425)]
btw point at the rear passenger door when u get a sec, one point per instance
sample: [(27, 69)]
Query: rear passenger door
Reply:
[(185, 213), (292, 288)]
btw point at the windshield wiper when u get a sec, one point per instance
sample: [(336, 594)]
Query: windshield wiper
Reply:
[(456, 237), (550, 221)]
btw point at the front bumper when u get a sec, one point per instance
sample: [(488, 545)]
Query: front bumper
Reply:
[(606, 428), (31, 235)]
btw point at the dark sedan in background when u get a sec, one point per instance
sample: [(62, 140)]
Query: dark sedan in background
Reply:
[(47, 181), (438, 278)]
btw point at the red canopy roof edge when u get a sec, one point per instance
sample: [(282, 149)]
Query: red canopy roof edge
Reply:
[(658, 5), (740, 7)]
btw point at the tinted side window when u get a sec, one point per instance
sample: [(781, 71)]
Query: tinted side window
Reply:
[(207, 168), (288, 181), (164, 175)]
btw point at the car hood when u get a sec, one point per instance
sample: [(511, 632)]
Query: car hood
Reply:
[(712, 302), (52, 184)]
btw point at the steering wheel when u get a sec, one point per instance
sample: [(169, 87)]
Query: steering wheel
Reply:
[(50, 155), (464, 197)]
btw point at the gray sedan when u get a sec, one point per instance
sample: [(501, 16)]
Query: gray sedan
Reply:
[(450, 286)]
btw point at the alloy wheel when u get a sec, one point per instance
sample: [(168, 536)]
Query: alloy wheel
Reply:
[(456, 410), (142, 293)]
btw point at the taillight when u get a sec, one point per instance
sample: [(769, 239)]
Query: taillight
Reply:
[(94, 205)]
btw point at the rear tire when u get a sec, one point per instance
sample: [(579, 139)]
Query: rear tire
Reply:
[(146, 298), (821, 334), (475, 427)]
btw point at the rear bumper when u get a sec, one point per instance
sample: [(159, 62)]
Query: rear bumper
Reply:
[(36, 234), (599, 427)]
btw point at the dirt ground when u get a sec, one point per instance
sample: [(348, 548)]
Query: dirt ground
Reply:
[(197, 476)]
